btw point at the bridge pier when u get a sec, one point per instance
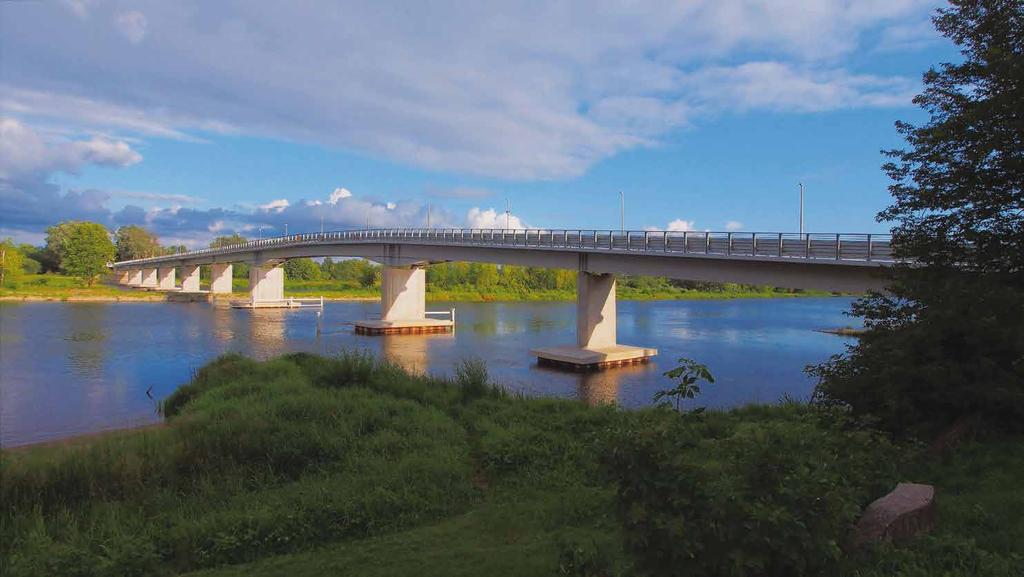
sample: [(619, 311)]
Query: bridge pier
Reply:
[(149, 279), (190, 278), (596, 346), (124, 277), (165, 278), (134, 277), (220, 278), (403, 304), (266, 284)]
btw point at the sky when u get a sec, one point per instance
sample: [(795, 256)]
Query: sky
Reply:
[(202, 118)]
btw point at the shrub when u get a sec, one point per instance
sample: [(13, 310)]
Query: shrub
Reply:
[(710, 495)]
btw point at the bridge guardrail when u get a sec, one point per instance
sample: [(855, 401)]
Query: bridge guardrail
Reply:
[(809, 246)]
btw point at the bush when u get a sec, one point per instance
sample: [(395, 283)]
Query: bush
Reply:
[(714, 495)]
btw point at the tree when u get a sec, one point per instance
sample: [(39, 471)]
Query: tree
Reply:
[(11, 263), (947, 341), (136, 242), (239, 270), (301, 269), (85, 249), (226, 241)]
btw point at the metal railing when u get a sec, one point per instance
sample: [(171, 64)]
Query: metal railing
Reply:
[(767, 245)]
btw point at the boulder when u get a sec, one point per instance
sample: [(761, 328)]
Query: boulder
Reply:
[(907, 511)]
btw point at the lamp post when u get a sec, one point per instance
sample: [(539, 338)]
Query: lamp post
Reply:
[(622, 212), (508, 212), (801, 208)]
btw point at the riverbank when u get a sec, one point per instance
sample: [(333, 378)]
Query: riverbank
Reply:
[(49, 287), (305, 465)]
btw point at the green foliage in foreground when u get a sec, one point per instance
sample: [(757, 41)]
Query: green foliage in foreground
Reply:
[(305, 465)]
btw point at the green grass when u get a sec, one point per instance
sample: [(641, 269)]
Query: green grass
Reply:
[(60, 287), (306, 466)]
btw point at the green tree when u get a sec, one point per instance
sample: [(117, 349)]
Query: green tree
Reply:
[(239, 270), (947, 341), (225, 241), (134, 242), (301, 269), (85, 249), (11, 263)]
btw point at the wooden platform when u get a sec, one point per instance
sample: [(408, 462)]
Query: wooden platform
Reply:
[(411, 327), (574, 358)]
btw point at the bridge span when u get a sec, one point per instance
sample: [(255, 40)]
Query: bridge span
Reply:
[(833, 262)]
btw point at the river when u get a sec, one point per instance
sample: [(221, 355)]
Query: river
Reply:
[(72, 368)]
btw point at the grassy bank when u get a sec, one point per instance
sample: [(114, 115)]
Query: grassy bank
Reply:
[(304, 466), (59, 287)]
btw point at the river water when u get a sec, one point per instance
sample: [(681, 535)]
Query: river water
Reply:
[(71, 368)]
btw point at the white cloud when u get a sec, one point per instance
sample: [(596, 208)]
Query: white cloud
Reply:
[(132, 24), (490, 218), (733, 225), (25, 152), (391, 206), (782, 87), (523, 92), (276, 205), (680, 225), (156, 196), (338, 194)]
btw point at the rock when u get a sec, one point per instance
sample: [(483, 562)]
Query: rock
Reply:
[(905, 512)]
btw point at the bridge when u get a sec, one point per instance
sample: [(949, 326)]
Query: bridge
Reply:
[(833, 262)]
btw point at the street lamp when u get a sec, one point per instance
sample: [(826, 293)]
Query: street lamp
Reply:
[(801, 208), (508, 212), (622, 212)]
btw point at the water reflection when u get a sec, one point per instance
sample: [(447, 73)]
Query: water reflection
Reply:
[(67, 368)]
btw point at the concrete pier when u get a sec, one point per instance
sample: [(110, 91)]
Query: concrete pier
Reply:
[(190, 278), (266, 283), (403, 305), (135, 277), (596, 346), (149, 279), (165, 278), (220, 278)]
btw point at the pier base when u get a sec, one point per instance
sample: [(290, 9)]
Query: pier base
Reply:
[(403, 305), (596, 346), (411, 327)]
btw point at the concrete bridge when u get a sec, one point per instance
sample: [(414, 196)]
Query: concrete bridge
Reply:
[(832, 262)]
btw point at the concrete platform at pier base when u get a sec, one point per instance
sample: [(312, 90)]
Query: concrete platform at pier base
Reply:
[(281, 304), (578, 359), (189, 297), (411, 327)]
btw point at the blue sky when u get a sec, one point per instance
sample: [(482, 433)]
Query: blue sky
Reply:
[(203, 118)]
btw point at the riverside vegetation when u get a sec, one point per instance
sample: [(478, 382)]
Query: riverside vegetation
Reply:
[(305, 464)]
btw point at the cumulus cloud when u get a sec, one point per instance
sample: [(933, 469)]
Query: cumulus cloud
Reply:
[(338, 194), (490, 218), (733, 225), (275, 205), (132, 24), (523, 92), (680, 225), (24, 151)]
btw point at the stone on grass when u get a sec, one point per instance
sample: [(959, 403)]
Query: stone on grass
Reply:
[(907, 511)]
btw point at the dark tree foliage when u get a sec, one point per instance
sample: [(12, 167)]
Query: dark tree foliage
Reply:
[(947, 340)]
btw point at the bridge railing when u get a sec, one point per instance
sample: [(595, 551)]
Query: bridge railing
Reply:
[(812, 246)]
